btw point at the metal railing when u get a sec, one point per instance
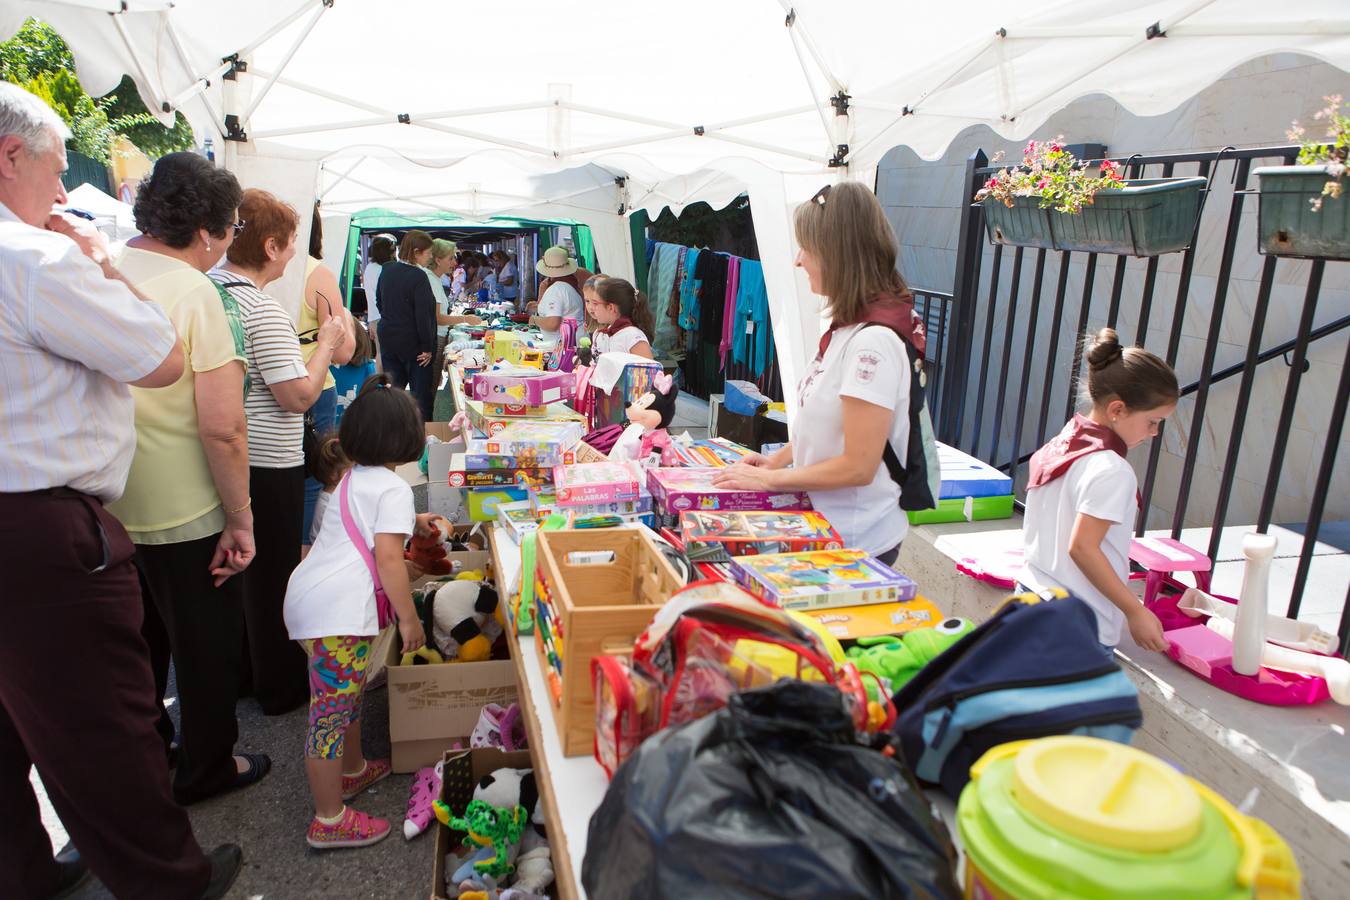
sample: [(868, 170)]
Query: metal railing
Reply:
[(985, 381)]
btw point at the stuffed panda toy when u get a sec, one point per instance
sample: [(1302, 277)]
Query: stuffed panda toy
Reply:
[(463, 618)]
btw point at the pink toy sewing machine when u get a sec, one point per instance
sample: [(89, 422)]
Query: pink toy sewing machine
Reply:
[(527, 387)]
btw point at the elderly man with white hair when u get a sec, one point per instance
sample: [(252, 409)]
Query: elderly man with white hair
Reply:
[(77, 698)]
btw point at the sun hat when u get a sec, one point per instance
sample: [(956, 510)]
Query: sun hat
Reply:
[(556, 263)]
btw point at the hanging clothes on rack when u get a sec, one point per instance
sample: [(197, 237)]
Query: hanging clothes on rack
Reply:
[(729, 310), (752, 318), (660, 284)]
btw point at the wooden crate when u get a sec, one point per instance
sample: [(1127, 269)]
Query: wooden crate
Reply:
[(601, 607)]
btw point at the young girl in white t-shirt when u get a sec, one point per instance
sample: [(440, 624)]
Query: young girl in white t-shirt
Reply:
[(331, 606), (622, 315), (1082, 494)]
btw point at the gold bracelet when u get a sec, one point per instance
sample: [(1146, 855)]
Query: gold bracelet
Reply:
[(230, 512)]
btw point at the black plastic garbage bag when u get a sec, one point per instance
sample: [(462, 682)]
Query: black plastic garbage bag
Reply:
[(768, 797)]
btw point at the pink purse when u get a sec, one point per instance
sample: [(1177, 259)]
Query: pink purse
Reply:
[(384, 610)]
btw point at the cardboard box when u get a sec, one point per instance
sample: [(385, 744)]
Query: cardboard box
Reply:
[(448, 501), (462, 771), (439, 454), (964, 509), (432, 707)]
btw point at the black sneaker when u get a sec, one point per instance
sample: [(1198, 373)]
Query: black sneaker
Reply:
[(226, 860)]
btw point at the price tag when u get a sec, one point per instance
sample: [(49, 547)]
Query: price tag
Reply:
[(749, 326)]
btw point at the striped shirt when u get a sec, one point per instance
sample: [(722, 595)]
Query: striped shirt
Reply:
[(275, 436), (70, 341)]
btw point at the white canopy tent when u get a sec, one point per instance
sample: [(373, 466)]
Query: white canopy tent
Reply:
[(111, 215), (590, 112)]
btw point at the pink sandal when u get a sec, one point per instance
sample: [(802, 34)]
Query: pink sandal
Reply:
[(426, 790)]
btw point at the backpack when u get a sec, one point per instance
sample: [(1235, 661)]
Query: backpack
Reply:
[(1032, 670), (920, 478)]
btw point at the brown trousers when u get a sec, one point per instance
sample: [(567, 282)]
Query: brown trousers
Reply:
[(77, 701)]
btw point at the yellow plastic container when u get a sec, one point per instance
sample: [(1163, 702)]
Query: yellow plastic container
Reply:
[(1077, 817)]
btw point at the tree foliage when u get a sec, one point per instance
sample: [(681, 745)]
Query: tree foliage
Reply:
[(37, 59)]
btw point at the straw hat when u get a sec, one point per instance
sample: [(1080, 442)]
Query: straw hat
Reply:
[(556, 263)]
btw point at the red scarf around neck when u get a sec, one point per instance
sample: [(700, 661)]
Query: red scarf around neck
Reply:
[(616, 326), (895, 311), (1080, 437)]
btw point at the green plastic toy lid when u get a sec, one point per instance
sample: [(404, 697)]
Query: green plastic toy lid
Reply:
[(1077, 818)]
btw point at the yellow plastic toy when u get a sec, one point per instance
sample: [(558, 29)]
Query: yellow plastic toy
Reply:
[(425, 653), (778, 662), (1081, 817)]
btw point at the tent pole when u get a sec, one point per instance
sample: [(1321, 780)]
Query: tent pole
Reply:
[(140, 69), (341, 178), (275, 30), (622, 117), (114, 7), (198, 86), (285, 61), (796, 28), (320, 129), (486, 138)]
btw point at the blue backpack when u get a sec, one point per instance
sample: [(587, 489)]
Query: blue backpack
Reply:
[(1032, 670)]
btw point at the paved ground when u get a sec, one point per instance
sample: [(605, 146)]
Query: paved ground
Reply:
[(269, 819)]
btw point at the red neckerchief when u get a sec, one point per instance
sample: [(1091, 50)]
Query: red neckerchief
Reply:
[(896, 312), (1080, 437), (617, 325)]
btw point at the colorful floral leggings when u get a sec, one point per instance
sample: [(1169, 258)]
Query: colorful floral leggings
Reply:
[(337, 672)]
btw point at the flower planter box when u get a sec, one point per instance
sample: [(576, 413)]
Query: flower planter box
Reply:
[(1288, 225), (1145, 217)]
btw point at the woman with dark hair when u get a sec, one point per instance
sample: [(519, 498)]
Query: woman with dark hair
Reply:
[(382, 249), (187, 505), (323, 298), (279, 387), (408, 320)]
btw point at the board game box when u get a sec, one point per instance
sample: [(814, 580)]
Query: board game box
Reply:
[(533, 444), (601, 482), (719, 536), (485, 423), (821, 579), (493, 476), (678, 489)]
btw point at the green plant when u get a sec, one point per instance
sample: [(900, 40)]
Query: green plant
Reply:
[(1332, 153), (1052, 175), (37, 59)]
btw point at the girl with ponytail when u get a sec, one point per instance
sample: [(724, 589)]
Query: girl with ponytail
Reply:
[(1082, 497), (624, 319)]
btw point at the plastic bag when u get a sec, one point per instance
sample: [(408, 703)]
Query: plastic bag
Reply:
[(769, 797)]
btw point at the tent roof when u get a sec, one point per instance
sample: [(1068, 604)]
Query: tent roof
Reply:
[(618, 79)]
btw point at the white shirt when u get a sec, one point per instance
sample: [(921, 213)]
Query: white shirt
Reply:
[(442, 301), (868, 364), (331, 593), (275, 436), (561, 299), (70, 341), (623, 341), (508, 291), (1101, 485), (369, 279)]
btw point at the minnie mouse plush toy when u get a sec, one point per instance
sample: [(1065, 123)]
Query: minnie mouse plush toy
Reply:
[(645, 438)]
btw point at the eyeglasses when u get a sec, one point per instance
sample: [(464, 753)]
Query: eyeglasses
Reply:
[(819, 198), (238, 227)]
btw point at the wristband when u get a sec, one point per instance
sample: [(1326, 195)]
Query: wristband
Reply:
[(230, 512)]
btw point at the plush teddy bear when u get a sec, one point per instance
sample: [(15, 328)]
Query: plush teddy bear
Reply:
[(464, 618), (428, 552)]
